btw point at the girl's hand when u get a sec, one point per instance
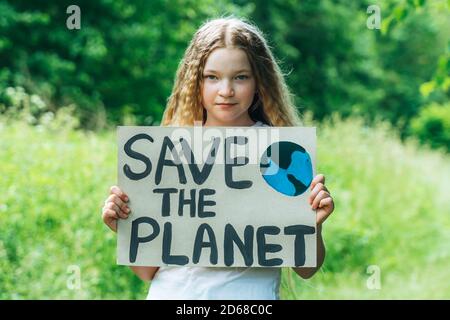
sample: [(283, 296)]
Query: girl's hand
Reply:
[(115, 207), (320, 199)]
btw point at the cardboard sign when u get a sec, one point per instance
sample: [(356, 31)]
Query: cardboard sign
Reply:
[(217, 196)]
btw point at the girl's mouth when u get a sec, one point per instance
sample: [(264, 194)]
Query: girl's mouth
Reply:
[(225, 105)]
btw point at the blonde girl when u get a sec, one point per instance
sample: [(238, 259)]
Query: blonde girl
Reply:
[(227, 77)]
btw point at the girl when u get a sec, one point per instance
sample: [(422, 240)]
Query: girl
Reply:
[(228, 77)]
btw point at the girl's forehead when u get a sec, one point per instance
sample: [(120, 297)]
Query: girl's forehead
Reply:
[(227, 59)]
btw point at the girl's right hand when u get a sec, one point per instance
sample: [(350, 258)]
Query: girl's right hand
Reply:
[(115, 208)]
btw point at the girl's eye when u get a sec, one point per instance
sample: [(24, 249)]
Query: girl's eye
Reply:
[(242, 77), (211, 77)]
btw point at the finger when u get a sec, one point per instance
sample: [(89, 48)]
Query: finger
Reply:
[(319, 178), (324, 214), (109, 215), (316, 190), (326, 202), (110, 219), (116, 190), (116, 208), (122, 205), (321, 195)]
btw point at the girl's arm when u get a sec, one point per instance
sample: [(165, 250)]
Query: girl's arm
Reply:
[(144, 273), (115, 208), (321, 201)]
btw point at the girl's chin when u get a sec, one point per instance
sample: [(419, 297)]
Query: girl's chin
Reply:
[(225, 116)]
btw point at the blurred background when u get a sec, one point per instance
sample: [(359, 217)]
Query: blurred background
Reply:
[(376, 89)]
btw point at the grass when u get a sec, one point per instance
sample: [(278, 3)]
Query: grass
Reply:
[(392, 212)]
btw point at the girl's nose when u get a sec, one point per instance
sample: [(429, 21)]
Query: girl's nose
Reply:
[(226, 89)]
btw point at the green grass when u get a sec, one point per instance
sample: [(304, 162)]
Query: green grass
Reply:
[(392, 211)]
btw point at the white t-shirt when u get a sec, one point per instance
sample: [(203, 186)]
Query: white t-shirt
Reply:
[(216, 283)]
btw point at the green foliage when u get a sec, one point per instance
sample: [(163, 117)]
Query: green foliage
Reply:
[(33, 110), (335, 64), (120, 66), (53, 183), (122, 60), (432, 126), (391, 211)]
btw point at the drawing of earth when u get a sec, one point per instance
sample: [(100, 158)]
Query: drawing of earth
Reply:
[(287, 168)]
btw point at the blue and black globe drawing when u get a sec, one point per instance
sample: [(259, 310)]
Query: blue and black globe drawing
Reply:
[(287, 168)]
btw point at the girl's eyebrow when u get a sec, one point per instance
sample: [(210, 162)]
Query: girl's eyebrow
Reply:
[(238, 71)]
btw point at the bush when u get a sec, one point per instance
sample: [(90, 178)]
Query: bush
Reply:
[(432, 126), (18, 105)]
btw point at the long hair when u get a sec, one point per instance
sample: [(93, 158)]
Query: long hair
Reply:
[(273, 103)]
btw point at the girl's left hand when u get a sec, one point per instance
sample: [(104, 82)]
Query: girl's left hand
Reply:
[(320, 199)]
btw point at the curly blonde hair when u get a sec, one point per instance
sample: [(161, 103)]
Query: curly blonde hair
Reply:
[(273, 103)]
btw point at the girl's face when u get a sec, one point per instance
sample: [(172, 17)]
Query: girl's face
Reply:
[(228, 88)]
